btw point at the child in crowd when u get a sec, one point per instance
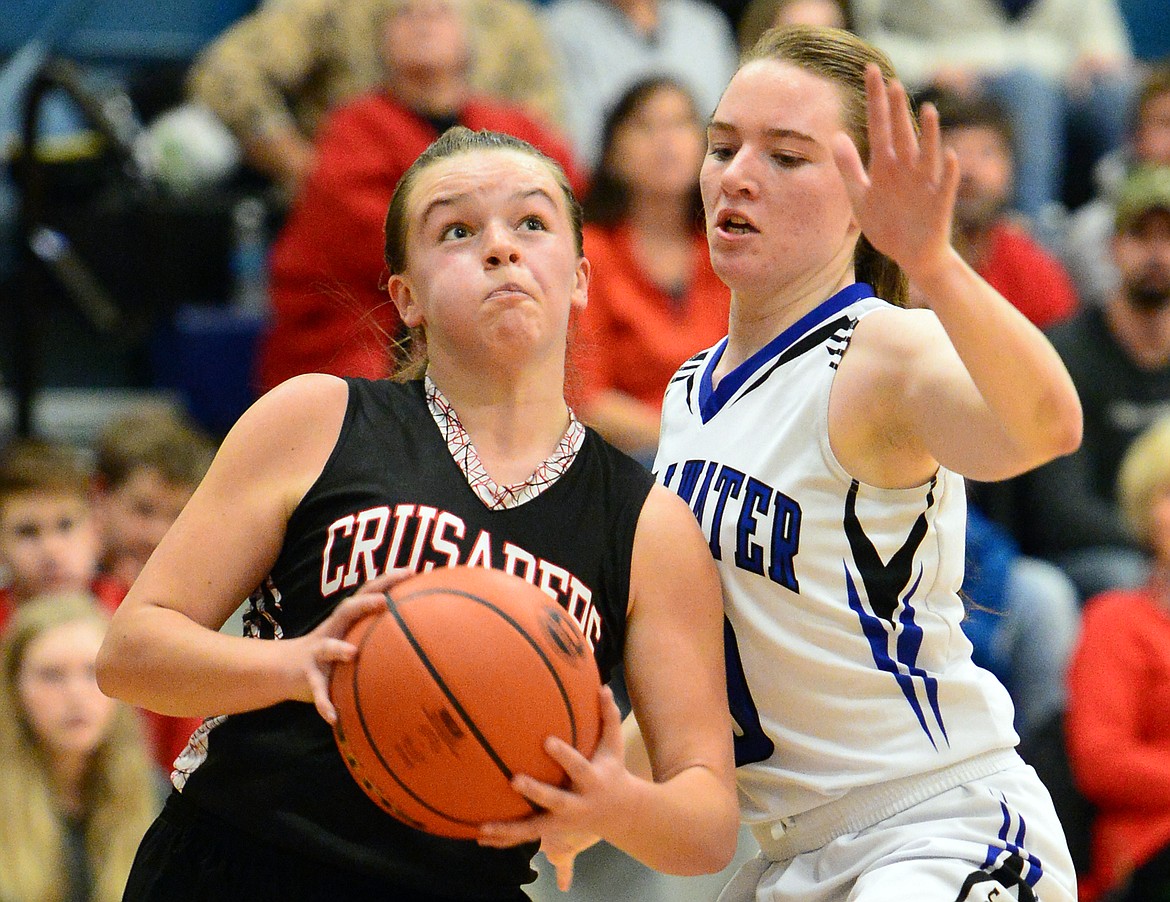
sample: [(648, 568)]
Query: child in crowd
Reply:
[(49, 539), (148, 462), (77, 788), (50, 542)]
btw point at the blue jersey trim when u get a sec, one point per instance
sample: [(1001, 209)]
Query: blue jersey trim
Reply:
[(712, 400)]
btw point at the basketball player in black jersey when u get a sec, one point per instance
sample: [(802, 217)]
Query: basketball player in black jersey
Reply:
[(326, 484)]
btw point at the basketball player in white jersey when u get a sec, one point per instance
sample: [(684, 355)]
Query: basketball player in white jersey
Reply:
[(822, 446)]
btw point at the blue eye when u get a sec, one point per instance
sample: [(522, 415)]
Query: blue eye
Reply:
[(534, 224), (455, 232)]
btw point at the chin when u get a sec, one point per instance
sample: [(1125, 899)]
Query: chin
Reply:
[(730, 270)]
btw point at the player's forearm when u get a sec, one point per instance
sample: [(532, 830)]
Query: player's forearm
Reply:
[(1017, 371), (163, 661), (687, 825)]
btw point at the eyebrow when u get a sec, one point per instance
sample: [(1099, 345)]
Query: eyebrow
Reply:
[(774, 133), (453, 199)]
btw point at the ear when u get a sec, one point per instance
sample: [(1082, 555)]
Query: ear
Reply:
[(402, 296), (580, 295)]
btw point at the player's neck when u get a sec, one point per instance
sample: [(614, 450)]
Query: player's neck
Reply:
[(755, 321), (515, 425)]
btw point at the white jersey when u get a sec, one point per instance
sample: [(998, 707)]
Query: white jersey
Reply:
[(847, 666)]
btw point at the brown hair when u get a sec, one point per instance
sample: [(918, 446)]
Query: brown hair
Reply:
[(1154, 85), (841, 57), (410, 351), (978, 111), (156, 438), (34, 465), (608, 198)]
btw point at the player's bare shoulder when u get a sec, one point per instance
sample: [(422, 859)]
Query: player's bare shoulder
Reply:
[(891, 338), (286, 437), (871, 429)]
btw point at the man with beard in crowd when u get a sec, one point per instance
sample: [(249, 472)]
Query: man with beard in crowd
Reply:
[(1119, 359), (995, 241)]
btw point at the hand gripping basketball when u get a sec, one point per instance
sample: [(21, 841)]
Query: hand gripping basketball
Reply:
[(456, 685)]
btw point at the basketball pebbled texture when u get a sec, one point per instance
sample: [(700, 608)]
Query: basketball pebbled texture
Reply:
[(455, 687)]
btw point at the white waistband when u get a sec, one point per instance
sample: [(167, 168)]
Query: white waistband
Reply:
[(867, 805)]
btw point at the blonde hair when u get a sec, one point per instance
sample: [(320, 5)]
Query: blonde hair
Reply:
[(119, 792), (840, 57), (1144, 474)]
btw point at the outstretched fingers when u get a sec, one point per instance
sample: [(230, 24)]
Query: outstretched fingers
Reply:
[(931, 142), (893, 139), (904, 196), (906, 144), (941, 163), (878, 116)]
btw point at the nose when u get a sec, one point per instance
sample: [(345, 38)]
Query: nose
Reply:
[(739, 176), (499, 246)]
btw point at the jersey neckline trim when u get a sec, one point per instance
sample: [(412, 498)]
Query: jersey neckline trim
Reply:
[(712, 400), (494, 496)]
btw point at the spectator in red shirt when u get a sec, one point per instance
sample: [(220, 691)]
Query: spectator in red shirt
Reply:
[(1119, 698), (329, 313), (996, 244), (653, 298)]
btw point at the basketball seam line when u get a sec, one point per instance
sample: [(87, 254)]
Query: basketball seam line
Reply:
[(378, 752), (516, 625), (392, 608)]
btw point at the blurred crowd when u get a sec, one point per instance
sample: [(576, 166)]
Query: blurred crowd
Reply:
[(315, 108)]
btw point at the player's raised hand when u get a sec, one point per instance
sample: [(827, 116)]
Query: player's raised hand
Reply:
[(905, 199)]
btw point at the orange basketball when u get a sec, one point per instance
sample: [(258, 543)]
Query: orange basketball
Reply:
[(454, 689)]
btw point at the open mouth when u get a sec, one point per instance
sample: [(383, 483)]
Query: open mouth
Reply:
[(735, 224)]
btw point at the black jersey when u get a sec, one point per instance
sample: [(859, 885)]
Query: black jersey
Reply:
[(391, 495)]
